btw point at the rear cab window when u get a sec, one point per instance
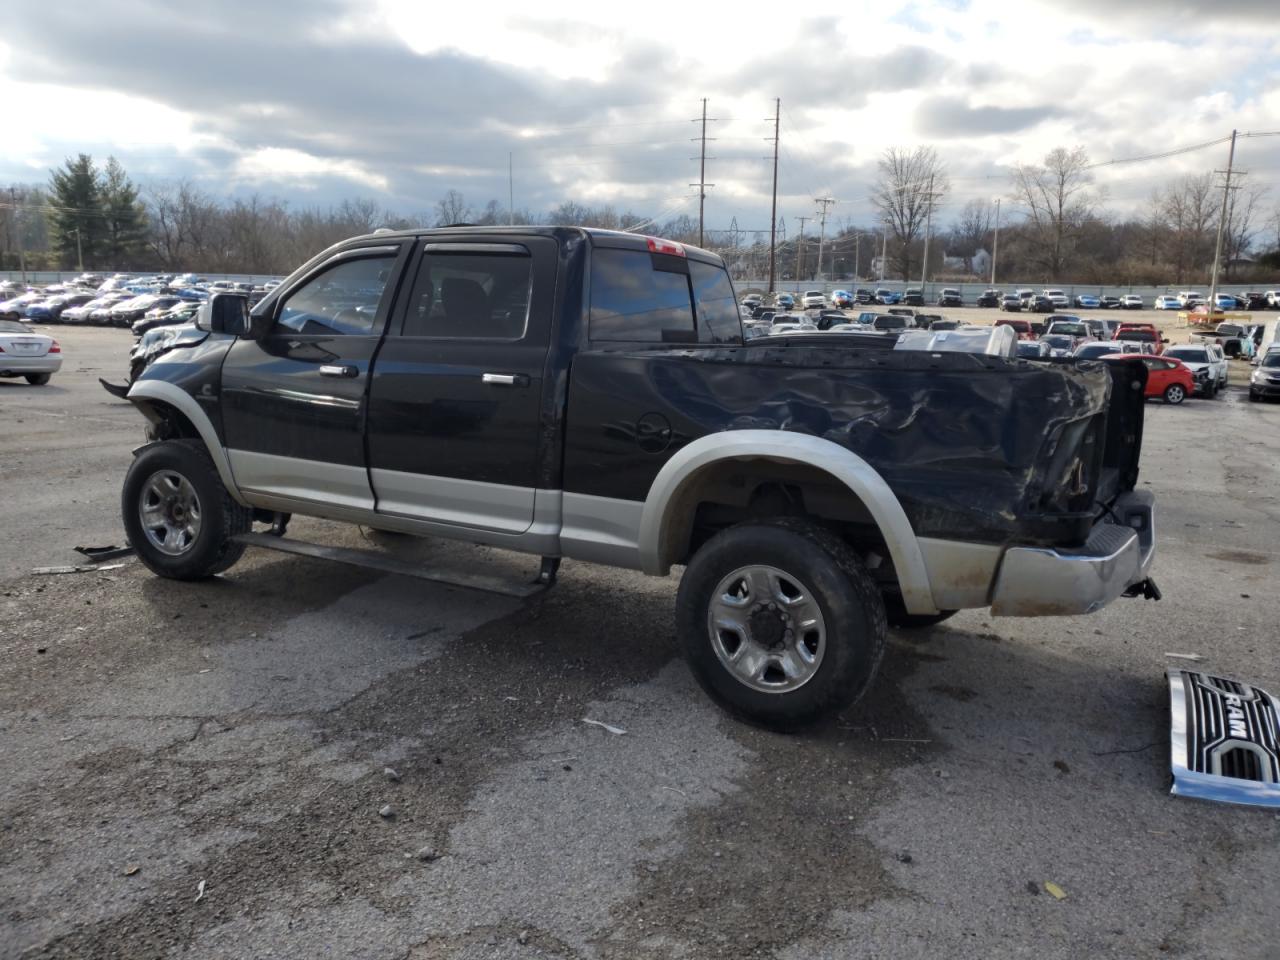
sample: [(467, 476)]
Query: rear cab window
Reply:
[(643, 297)]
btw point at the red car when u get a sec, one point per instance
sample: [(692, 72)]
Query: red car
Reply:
[(1167, 378), (1143, 332), (1021, 327)]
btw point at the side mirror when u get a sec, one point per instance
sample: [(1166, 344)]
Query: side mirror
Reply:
[(225, 313)]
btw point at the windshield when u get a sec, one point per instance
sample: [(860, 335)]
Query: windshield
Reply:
[(1271, 360), (1142, 336), (1074, 329), (1058, 343), (1191, 356), (12, 326)]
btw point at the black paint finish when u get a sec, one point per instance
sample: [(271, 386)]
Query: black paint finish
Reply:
[(975, 447), (964, 441), (430, 411)]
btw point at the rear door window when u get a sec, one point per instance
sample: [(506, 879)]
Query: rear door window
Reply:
[(476, 294), (633, 301)]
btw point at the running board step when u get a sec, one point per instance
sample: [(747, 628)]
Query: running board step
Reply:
[(378, 561)]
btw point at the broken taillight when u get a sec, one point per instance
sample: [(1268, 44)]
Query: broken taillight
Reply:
[(54, 348)]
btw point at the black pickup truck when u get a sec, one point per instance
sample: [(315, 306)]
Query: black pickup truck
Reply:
[(589, 394)]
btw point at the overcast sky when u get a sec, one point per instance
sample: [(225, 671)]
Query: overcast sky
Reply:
[(401, 100)]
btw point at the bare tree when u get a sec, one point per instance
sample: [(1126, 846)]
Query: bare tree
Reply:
[(1241, 228), (1060, 201), (452, 208), (971, 232), (911, 182), (1190, 210)]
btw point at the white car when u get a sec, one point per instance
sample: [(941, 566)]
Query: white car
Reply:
[(1203, 356), (27, 354), (813, 298), (1166, 302), (1057, 298), (1189, 298), (1273, 299), (1131, 301)]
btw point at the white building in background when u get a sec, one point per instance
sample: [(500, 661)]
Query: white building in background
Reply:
[(980, 264)]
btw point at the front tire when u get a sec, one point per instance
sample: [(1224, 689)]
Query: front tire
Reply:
[(1175, 393), (780, 623), (38, 379), (179, 517)]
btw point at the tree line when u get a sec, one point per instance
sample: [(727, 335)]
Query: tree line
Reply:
[(1053, 224)]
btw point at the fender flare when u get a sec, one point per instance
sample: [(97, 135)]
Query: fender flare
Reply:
[(844, 465), (164, 392)]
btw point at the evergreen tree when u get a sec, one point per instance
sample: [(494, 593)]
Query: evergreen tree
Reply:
[(125, 221), (78, 213)]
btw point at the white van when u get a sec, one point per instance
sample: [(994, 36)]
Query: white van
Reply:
[(1189, 298), (1270, 338)]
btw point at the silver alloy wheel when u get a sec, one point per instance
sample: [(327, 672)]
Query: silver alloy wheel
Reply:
[(1175, 394), (169, 511), (767, 629)]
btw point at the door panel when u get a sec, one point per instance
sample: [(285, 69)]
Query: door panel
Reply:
[(293, 403), (456, 394)]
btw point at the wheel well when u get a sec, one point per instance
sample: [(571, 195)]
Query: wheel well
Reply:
[(166, 422), (728, 492)]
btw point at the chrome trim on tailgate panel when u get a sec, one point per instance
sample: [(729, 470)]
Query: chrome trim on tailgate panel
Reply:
[(1224, 740)]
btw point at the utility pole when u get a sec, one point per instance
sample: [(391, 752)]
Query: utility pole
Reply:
[(22, 238), (884, 247), (79, 254), (511, 190), (773, 214), (857, 255), (995, 244), (800, 250), (928, 226), (1222, 222), (702, 169), (822, 236)]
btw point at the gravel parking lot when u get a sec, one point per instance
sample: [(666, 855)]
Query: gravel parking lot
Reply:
[(299, 759)]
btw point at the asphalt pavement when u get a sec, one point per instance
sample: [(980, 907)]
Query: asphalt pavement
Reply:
[(299, 759)]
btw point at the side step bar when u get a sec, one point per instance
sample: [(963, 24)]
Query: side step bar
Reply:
[(378, 561)]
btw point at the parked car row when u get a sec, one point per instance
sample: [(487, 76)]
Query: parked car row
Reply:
[(119, 300)]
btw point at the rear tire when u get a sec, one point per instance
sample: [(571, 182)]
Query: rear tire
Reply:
[(38, 379), (780, 623), (1175, 393), (179, 517)]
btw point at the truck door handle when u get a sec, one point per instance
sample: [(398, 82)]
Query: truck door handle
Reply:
[(505, 379), (338, 370)]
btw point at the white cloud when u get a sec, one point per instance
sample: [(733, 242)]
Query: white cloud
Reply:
[(283, 165)]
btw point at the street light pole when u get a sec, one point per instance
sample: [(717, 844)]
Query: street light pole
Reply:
[(79, 253), (995, 244), (884, 248), (928, 227)]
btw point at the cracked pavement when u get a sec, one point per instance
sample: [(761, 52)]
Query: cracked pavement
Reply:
[(156, 736)]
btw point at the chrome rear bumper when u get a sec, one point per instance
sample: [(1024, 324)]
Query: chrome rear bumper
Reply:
[(1040, 581)]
